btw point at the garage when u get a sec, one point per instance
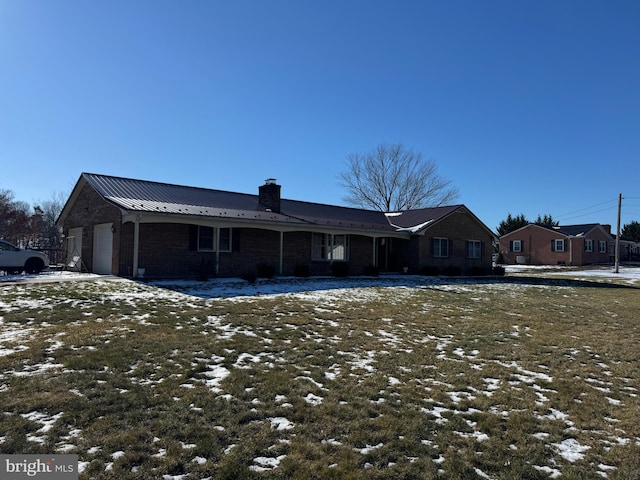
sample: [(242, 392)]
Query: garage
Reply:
[(103, 248)]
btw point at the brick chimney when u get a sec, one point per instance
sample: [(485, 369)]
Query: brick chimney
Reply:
[(269, 195)]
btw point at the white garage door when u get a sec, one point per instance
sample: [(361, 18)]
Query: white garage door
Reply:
[(102, 248)]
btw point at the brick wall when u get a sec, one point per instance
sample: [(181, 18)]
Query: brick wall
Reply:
[(88, 210), (164, 248), (163, 251), (457, 228), (537, 248)]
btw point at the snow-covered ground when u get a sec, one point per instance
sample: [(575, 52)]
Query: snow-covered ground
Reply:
[(326, 290), (231, 287)]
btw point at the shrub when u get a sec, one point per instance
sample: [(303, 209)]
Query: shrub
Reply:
[(452, 271), (302, 271), (477, 271), (498, 270), (429, 271), (371, 271), (340, 269), (250, 276), (500, 259), (264, 270), (203, 270)]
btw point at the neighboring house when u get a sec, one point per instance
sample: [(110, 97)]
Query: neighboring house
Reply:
[(629, 250), (136, 228), (564, 245)]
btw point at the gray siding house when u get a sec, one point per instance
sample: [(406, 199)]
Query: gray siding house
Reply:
[(138, 228)]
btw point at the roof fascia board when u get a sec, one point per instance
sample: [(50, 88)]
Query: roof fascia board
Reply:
[(75, 193), (480, 222), (468, 212), (425, 225), (140, 217), (532, 225), (604, 230)]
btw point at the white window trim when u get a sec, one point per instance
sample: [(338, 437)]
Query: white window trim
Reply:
[(602, 246), (230, 248), (558, 245), (477, 249), (588, 245), (216, 240), (517, 246), (437, 252), (330, 247), (213, 241)]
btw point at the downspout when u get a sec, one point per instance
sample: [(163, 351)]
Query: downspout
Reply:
[(571, 251)]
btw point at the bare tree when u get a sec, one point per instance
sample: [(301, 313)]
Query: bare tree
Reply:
[(29, 227), (394, 178), (15, 219), (47, 212)]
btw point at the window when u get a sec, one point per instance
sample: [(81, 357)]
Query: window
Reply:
[(588, 245), (224, 239), (325, 246), (516, 245), (205, 239), (208, 239), (557, 245), (339, 247), (8, 247), (474, 249), (440, 247), (602, 246)]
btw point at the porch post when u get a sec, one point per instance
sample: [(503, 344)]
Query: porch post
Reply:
[(217, 244), (281, 251), (373, 254), (136, 245)]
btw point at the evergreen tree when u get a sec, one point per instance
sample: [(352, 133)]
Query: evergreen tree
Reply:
[(546, 221), (631, 232), (511, 224)]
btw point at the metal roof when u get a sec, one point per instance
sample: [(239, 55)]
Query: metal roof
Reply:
[(576, 230), (154, 197)]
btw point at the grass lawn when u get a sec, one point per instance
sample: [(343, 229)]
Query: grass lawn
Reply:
[(515, 378)]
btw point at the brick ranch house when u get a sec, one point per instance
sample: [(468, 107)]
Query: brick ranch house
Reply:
[(136, 228), (564, 245)]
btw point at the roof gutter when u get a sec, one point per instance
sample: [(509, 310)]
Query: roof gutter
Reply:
[(156, 217)]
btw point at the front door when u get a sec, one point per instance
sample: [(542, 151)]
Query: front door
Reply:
[(383, 254)]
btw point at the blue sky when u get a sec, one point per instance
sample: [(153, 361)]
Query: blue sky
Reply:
[(526, 106)]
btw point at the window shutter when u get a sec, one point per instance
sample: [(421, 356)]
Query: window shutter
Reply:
[(511, 245), (193, 238), (566, 246), (553, 245), (522, 245), (481, 249), (432, 242), (235, 239)]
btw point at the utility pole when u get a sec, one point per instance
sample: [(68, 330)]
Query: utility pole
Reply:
[(617, 269)]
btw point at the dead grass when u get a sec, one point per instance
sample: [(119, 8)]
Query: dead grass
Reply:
[(449, 380)]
